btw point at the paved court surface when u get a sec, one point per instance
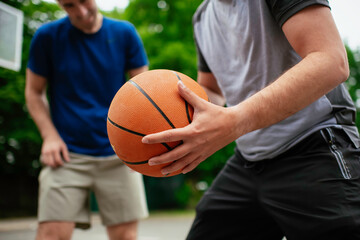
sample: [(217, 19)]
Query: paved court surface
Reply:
[(156, 227)]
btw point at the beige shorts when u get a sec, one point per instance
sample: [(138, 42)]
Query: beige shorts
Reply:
[(64, 192)]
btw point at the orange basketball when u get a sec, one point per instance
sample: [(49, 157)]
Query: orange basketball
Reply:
[(148, 103)]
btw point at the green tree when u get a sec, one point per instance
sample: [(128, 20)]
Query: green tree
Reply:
[(166, 30), (19, 139), (353, 82)]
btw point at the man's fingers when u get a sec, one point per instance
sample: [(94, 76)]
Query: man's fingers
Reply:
[(192, 165), (58, 158), (183, 163), (189, 96), (65, 154), (48, 160), (171, 135), (52, 159), (173, 155)]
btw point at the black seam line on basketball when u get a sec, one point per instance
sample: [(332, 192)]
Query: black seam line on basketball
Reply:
[(136, 163), (167, 146), (125, 129), (136, 133), (187, 111), (176, 75), (186, 103), (152, 102)]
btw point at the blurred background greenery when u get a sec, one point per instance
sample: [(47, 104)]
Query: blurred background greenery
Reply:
[(166, 30)]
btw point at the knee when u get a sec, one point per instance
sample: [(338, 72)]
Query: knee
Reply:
[(125, 231), (129, 235), (54, 231)]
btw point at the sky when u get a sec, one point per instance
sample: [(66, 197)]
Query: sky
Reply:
[(347, 18), (345, 12)]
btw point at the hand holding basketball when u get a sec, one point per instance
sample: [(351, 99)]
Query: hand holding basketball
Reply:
[(212, 128), (146, 104)]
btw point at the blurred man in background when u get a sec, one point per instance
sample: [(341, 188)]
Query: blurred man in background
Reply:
[(81, 61)]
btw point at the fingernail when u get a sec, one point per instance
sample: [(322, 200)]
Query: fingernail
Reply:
[(151, 163), (144, 140), (165, 173), (181, 84)]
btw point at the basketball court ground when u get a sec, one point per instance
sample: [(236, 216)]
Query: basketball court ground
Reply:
[(156, 227)]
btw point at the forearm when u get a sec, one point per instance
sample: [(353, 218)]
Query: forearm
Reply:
[(317, 74), (214, 97), (54, 151), (39, 111), (314, 37), (133, 72), (37, 104), (208, 81)]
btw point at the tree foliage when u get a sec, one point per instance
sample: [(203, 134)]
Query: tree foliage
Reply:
[(353, 82), (166, 31), (20, 141)]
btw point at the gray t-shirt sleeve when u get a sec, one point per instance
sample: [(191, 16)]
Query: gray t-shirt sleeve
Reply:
[(201, 63), (282, 10)]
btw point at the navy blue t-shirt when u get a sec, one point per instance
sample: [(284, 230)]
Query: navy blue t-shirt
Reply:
[(84, 72)]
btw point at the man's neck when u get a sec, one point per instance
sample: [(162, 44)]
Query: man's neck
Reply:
[(97, 25)]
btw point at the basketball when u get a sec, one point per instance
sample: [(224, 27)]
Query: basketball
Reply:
[(148, 103)]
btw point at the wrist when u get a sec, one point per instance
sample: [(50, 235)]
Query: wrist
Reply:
[(242, 118), (50, 134)]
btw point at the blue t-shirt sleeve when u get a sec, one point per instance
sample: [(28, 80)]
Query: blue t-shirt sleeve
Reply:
[(39, 60), (135, 52)]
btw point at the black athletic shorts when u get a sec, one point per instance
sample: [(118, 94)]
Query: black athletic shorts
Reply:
[(312, 191)]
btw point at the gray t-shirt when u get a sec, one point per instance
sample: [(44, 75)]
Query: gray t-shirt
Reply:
[(242, 44)]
